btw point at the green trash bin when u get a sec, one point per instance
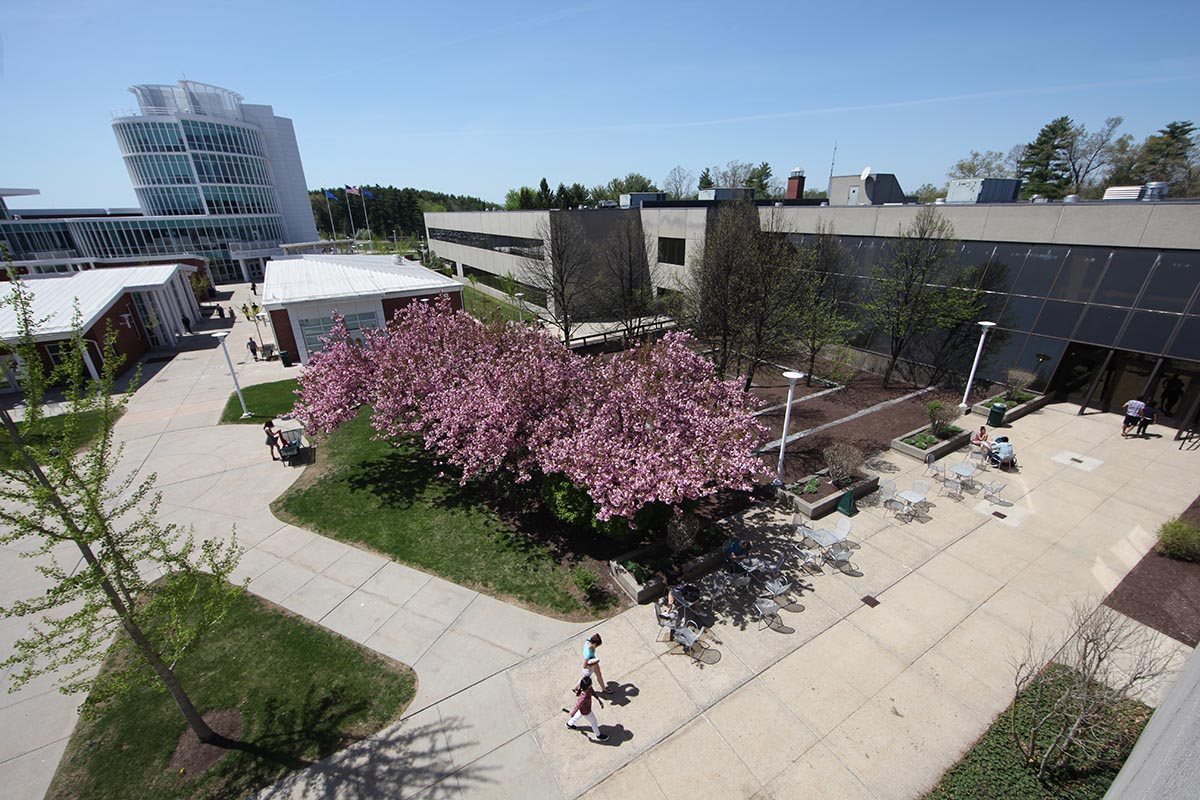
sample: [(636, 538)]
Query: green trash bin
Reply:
[(285, 357), (996, 415)]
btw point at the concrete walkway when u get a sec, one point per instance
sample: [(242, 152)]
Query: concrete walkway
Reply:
[(842, 700)]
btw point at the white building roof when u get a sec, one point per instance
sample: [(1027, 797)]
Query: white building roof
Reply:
[(329, 277), (54, 296)]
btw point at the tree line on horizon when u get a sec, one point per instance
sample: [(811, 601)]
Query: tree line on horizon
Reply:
[(390, 210), (1066, 158)]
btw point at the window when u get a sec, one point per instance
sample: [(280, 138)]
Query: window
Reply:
[(1100, 325), (1040, 270), (1004, 268), (671, 250), (1124, 277), (1080, 273), (1021, 313), (1058, 318), (1148, 331), (314, 330), (1173, 282), (511, 245)]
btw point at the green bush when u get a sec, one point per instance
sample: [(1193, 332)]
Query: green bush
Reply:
[(1179, 539), (641, 571), (811, 486), (585, 579), (940, 417), (567, 502)]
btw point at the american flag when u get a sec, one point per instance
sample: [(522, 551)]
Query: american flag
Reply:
[(353, 190)]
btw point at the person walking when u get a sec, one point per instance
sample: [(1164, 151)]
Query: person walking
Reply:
[(272, 435), (252, 346), (253, 288), (583, 710), (187, 324), (591, 664), (1149, 417), (1133, 415)]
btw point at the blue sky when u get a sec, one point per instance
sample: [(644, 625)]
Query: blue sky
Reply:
[(478, 97)]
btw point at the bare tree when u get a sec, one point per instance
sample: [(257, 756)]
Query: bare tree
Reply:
[(565, 273), (680, 184), (914, 282), (1107, 658), (988, 164), (714, 295), (1013, 160), (629, 268), (735, 173), (1088, 153), (821, 319), (769, 292)]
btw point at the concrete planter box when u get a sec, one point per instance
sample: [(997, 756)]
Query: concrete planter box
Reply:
[(644, 593), (815, 509), (1017, 411), (938, 450)]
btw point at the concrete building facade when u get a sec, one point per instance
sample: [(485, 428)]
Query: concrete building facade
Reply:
[(1100, 300), (215, 177)]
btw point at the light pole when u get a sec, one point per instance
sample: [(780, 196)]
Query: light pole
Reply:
[(984, 328), (220, 337), (787, 418), (520, 305)]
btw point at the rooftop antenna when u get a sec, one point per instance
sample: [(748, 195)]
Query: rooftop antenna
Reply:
[(832, 161)]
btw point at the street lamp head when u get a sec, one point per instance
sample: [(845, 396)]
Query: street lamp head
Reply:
[(793, 376), (987, 325), (220, 335)]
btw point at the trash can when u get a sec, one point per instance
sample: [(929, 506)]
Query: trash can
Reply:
[(286, 358), (996, 415)]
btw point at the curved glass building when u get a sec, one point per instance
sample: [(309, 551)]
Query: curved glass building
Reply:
[(214, 177)]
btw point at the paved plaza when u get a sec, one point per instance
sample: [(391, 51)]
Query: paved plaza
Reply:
[(837, 699)]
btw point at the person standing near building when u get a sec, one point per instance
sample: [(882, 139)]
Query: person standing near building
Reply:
[(1149, 417), (252, 346), (254, 288), (1133, 415), (187, 324), (583, 710), (1172, 391)]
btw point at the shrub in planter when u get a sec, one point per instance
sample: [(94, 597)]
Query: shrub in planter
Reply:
[(844, 460), (1018, 382), (940, 417), (1179, 539), (810, 486)]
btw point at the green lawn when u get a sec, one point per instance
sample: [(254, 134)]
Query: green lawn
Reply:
[(485, 305), (303, 692), (85, 434), (265, 401), (392, 500), (994, 768)]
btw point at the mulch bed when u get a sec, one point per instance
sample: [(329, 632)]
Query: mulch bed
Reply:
[(191, 758), (1163, 594)]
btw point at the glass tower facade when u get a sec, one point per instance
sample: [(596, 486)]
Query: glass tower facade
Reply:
[(214, 177)]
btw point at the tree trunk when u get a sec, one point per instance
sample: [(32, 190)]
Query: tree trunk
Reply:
[(194, 720), (812, 362)]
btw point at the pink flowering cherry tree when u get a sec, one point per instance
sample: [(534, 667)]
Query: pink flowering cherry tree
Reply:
[(651, 425)]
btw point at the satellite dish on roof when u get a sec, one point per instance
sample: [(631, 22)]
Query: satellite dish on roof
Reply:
[(863, 175)]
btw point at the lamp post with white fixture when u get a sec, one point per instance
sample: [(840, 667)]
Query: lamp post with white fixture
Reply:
[(792, 377), (220, 336), (520, 305), (985, 327)]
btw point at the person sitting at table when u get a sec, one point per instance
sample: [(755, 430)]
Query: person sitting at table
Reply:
[(672, 576), (1002, 453), (980, 439), (736, 552)]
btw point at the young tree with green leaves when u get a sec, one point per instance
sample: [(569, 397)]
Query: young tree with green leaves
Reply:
[(54, 495), (914, 282), (823, 292), (988, 164), (760, 180), (1043, 168)]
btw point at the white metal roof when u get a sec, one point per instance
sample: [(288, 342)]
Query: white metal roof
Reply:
[(329, 277), (55, 296)]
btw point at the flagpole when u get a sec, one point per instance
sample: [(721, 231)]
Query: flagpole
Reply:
[(350, 211), (370, 238), (332, 229)]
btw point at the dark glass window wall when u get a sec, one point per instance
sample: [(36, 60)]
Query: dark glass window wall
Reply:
[(510, 245)]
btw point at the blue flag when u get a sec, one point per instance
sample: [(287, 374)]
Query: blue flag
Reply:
[(367, 193), (331, 195)]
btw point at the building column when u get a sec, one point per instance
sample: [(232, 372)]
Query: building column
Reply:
[(167, 324), (241, 262)]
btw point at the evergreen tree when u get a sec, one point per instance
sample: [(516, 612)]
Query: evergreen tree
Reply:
[(760, 180), (545, 197), (562, 197), (1044, 169), (1170, 155), (706, 179)]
